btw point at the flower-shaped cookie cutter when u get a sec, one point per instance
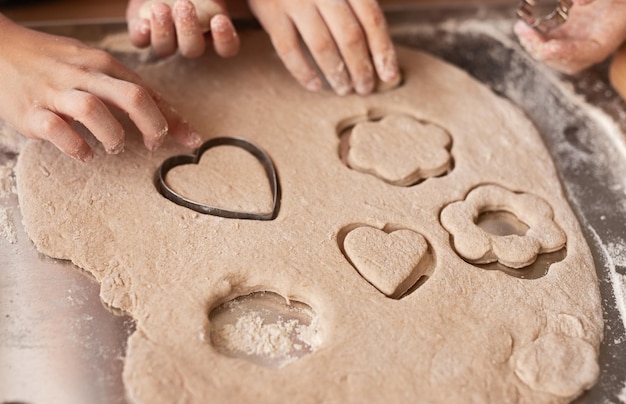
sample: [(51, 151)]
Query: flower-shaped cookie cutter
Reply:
[(544, 15), (478, 246), (265, 160)]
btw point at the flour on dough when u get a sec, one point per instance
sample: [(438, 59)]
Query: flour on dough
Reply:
[(466, 334)]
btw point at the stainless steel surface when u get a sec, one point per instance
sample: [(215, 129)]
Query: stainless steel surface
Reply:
[(59, 344)]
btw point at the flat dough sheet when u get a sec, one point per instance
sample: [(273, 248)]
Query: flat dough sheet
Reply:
[(466, 334)]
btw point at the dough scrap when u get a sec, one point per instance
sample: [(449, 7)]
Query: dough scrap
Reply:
[(458, 337), (573, 364), (205, 10)]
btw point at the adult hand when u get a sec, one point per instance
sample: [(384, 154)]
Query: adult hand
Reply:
[(50, 81), (348, 40), (594, 30), (180, 25)]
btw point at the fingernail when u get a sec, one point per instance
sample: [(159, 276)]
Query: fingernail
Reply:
[(343, 89), (194, 140), (116, 149), (139, 25), (315, 84), (144, 27), (160, 12), (364, 87), (387, 65), (221, 23), (155, 146), (83, 156), (158, 141), (118, 146), (183, 8)]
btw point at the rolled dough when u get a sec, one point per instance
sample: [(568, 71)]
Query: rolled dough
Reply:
[(464, 335)]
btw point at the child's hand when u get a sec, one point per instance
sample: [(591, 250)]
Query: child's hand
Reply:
[(592, 32), (181, 25), (48, 82), (348, 40)]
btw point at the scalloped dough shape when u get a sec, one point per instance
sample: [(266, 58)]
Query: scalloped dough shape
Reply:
[(399, 149), (479, 246), (458, 337)]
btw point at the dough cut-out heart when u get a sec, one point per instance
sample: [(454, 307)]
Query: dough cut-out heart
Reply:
[(392, 262), (178, 198)]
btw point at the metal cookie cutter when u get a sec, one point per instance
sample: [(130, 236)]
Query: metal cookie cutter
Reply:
[(181, 200), (544, 15)]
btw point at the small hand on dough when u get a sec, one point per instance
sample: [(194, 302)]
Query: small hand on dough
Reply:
[(50, 81), (168, 25), (592, 32), (348, 40)]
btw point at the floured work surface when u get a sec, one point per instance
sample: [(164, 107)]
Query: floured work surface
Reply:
[(464, 330)]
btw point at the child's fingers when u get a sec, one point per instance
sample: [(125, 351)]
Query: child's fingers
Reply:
[(381, 47), (138, 102), (321, 44), (225, 38), (45, 124), (285, 40), (350, 39), (179, 129), (191, 42), (94, 115), (162, 34), (139, 32)]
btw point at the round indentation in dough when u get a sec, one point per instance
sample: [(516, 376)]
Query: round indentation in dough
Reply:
[(557, 364), (479, 246), (264, 328), (396, 261), (395, 147)]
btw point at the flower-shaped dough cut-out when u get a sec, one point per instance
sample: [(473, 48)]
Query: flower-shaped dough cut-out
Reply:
[(399, 149), (480, 247)]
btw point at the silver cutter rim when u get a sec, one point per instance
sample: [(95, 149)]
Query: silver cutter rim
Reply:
[(184, 159)]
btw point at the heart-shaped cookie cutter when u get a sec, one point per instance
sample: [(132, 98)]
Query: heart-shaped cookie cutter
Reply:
[(181, 200)]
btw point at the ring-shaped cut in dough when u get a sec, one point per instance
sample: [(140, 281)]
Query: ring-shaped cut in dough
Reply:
[(481, 247)]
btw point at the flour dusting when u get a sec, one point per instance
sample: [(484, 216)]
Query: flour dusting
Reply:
[(252, 335), (7, 227)]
